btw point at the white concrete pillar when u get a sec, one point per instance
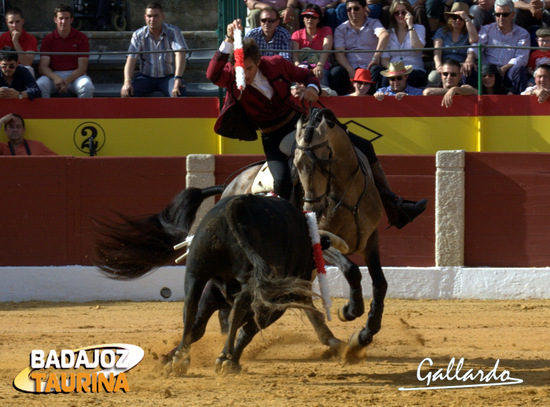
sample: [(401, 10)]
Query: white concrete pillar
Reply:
[(200, 174), (449, 208)]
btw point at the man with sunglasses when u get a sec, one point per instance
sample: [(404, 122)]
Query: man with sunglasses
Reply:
[(397, 73), (286, 9), (358, 33), (511, 62), (270, 35), (16, 82), (450, 80)]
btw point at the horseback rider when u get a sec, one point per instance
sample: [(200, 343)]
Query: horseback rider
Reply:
[(266, 104)]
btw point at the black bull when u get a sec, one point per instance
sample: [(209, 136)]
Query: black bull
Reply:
[(254, 252)]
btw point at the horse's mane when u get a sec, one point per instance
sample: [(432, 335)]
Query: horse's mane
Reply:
[(315, 117)]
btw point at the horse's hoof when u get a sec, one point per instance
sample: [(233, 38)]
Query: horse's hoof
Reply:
[(343, 315), (355, 351)]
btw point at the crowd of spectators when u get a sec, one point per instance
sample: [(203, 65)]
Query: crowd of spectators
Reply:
[(399, 31), (372, 35)]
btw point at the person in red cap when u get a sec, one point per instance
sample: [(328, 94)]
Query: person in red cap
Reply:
[(313, 37), (361, 82)]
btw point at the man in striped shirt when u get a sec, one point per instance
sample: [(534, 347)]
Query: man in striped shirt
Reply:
[(162, 71), (512, 62)]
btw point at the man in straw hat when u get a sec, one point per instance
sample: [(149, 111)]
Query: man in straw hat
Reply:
[(450, 78), (397, 73)]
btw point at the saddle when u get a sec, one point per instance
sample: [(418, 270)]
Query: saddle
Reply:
[(263, 183)]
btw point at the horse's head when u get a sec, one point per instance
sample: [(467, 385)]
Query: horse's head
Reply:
[(313, 157)]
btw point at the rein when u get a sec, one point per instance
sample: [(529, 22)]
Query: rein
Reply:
[(309, 152)]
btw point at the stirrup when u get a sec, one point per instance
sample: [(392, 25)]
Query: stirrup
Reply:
[(408, 211)]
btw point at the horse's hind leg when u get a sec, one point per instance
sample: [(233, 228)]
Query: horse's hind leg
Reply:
[(362, 338), (324, 333), (355, 307)]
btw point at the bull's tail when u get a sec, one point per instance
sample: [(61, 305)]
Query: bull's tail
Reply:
[(131, 248), (269, 291)]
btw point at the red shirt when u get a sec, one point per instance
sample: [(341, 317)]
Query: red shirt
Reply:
[(36, 148), (75, 42), (27, 41), (538, 57)]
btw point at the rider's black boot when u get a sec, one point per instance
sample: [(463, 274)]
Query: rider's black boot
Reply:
[(398, 210)]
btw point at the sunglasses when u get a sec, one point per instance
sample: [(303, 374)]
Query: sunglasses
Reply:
[(502, 14), (395, 78), (400, 13), (269, 20), (453, 74), (456, 18), (354, 8)]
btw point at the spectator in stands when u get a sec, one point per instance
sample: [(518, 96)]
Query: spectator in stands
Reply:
[(398, 75), (286, 9), (17, 38), (541, 89), (313, 37), (157, 72), (65, 73), (360, 32), (14, 127), (450, 78), (483, 12), (328, 11), (511, 61), (459, 31), (531, 13), (270, 35), (491, 81), (16, 82), (406, 37), (362, 82), (539, 57)]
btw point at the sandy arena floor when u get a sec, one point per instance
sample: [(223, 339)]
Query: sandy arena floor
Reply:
[(287, 366)]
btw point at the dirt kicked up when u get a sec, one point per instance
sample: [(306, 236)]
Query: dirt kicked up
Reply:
[(286, 365)]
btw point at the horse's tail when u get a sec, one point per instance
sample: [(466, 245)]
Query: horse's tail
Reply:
[(131, 248), (269, 291)]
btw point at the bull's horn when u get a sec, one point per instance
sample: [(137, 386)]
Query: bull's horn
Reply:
[(336, 241)]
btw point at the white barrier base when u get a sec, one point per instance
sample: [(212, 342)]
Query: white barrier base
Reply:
[(83, 284)]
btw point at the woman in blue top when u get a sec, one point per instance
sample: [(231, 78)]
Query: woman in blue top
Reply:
[(459, 31)]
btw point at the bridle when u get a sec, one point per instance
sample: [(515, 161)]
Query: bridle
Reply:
[(325, 167)]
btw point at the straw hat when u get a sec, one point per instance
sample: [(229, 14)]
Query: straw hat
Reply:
[(396, 69), (362, 75), (459, 6)]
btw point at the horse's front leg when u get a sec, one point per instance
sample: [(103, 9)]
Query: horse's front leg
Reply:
[(364, 337), (355, 307)]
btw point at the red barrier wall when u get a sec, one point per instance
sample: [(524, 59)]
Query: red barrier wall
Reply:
[(507, 210), (48, 203)]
